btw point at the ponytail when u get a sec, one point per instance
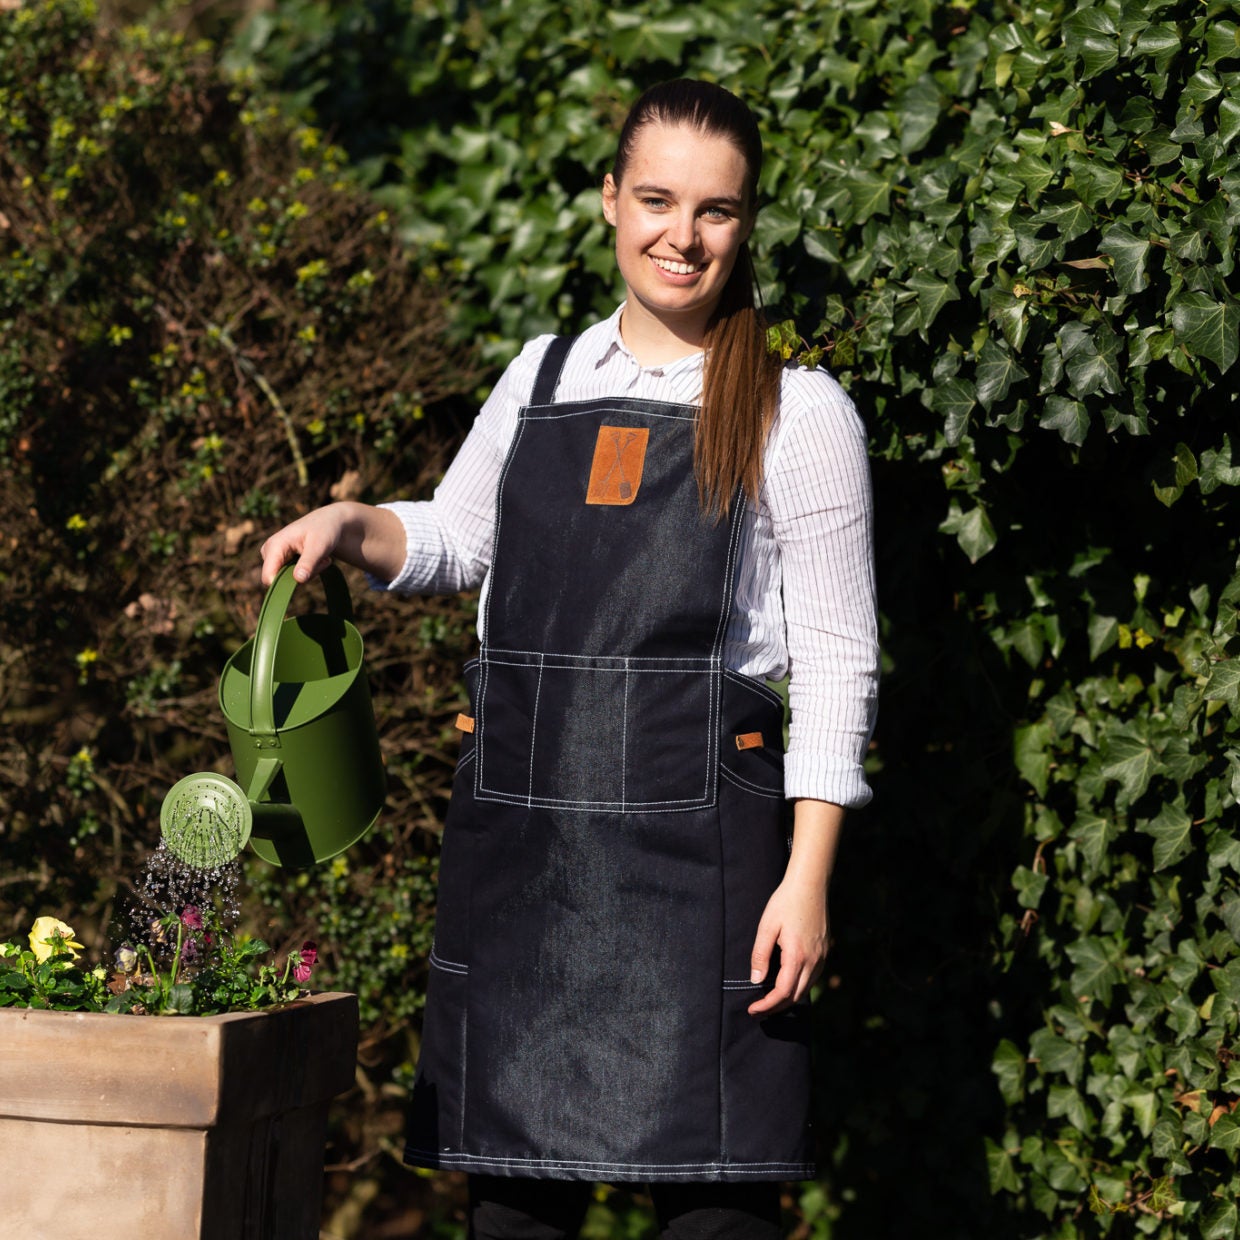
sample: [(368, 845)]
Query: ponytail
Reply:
[(740, 395)]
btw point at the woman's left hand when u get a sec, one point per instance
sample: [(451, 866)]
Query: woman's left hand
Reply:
[(795, 918)]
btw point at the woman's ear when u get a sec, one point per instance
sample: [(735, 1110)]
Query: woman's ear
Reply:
[(610, 191)]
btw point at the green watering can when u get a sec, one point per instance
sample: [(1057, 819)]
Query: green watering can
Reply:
[(303, 739)]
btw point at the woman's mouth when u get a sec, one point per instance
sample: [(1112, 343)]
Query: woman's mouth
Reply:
[(675, 268)]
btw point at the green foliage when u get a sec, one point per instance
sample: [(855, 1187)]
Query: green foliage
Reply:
[(206, 328)]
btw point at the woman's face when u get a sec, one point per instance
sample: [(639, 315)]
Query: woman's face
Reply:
[(680, 216)]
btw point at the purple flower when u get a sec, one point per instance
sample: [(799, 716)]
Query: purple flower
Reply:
[(309, 953), (191, 918), (301, 972)]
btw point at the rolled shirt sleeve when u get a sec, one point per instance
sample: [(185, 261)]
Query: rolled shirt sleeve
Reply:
[(817, 489), (448, 539)]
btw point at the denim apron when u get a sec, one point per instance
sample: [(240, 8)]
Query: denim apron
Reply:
[(615, 830)]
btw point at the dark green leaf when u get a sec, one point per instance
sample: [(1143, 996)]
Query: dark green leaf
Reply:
[(997, 370), (955, 400), (1069, 417), (1220, 1222), (973, 530), (932, 295), (1130, 253), (1103, 634), (1208, 327), (1009, 1067), (1094, 833), (1131, 761), (1171, 829), (1090, 34)]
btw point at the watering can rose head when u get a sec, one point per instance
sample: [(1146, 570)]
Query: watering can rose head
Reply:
[(49, 935)]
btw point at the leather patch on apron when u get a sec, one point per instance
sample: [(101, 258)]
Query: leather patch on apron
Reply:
[(616, 472)]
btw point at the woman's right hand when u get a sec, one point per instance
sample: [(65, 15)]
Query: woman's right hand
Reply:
[(372, 539)]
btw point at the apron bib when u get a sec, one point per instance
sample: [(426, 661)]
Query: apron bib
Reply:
[(615, 830)]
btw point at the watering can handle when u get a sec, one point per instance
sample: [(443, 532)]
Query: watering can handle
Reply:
[(270, 620)]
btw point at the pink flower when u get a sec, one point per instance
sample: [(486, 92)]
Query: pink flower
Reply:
[(191, 918), (301, 972), (309, 953)]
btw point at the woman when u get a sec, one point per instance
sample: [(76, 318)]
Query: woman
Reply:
[(661, 516)]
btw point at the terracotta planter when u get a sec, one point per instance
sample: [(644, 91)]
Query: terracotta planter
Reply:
[(170, 1128)]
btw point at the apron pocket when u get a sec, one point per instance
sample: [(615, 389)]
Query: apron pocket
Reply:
[(628, 735), (750, 711)]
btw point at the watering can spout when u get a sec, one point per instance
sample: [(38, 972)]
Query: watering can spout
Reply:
[(303, 739)]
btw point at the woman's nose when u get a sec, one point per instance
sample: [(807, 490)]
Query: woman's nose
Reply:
[(682, 232)]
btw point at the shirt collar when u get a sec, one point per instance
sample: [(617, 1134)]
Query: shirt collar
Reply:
[(610, 343)]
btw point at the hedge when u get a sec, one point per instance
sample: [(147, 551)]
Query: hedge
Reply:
[(206, 328)]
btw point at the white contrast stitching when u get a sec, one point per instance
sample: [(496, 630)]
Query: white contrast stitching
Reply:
[(650, 1170), (743, 783), (448, 966)]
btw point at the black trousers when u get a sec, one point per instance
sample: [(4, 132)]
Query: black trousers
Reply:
[(503, 1208)]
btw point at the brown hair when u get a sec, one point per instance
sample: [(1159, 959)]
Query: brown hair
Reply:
[(740, 384)]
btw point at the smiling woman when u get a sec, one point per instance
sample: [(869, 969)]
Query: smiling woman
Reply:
[(624, 941)]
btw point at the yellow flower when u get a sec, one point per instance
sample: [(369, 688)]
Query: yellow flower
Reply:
[(42, 933)]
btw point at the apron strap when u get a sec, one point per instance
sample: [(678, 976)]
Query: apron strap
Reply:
[(549, 372)]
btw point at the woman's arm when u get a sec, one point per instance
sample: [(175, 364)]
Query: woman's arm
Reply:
[(796, 917), (369, 538), (817, 489)]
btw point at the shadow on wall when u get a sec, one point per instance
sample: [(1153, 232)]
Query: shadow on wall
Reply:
[(908, 1021)]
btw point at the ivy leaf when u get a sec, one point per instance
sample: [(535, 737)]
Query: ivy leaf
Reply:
[(869, 195), (1056, 1055), (1093, 833), (1009, 1067), (1216, 468), (1171, 829), (1035, 250), (997, 370), (1103, 634), (973, 529), (1220, 1222), (1091, 359), (1000, 1168), (1090, 34), (1160, 41), (1208, 327), (1228, 120), (932, 295), (1095, 972), (1131, 761), (1225, 1135), (1224, 682), (1222, 41), (955, 400), (1069, 417), (1130, 253)]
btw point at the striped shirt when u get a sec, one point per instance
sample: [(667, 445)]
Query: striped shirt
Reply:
[(805, 601)]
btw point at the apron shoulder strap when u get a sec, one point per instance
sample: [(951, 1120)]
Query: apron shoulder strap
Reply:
[(549, 372)]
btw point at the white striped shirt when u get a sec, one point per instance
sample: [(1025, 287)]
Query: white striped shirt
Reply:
[(805, 602)]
